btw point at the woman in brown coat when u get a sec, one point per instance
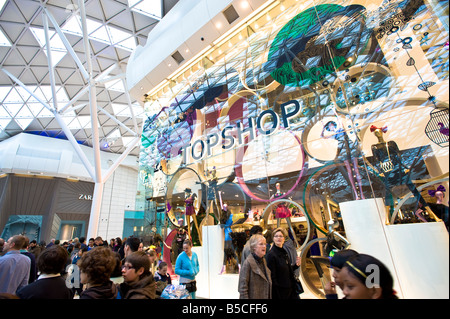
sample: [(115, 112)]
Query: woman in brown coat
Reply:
[(254, 278)]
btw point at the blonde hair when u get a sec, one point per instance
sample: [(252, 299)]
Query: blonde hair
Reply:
[(254, 240), (282, 230)]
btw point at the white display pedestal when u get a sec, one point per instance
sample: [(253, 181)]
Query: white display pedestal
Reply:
[(416, 254), (210, 284)]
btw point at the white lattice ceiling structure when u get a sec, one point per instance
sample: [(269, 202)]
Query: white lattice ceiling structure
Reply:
[(114, 28)]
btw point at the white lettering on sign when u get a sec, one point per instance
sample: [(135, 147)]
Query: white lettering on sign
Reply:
[(85, 197)]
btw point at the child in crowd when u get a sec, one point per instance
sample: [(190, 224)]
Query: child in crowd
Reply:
[(162, 278)]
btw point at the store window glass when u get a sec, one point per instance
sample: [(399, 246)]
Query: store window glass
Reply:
[(304, 107), (133, 224), (27, 225)]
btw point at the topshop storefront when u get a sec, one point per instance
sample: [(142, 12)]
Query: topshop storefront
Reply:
[(323, 117)]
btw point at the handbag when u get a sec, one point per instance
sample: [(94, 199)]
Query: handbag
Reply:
[(298, 286)]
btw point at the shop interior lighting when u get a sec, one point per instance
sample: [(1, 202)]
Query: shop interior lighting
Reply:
[(156, 91)]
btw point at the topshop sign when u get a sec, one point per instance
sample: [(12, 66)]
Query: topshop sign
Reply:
[(202, 147)]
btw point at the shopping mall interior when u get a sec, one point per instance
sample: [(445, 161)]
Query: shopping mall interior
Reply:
[(174, 119)]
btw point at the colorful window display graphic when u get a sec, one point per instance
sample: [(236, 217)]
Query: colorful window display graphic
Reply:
[(307, 105)]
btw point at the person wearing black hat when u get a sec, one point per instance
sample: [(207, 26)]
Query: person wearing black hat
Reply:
[(337, 262), (366, 277)]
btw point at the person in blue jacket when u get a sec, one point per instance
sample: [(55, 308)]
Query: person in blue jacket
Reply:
[(187, 267)]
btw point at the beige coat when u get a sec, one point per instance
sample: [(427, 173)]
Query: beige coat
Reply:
[(253, 284)]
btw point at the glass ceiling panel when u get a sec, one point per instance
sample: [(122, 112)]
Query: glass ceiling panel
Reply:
[(19, 105), (24, 122), (13, 97), (118, 108), (4, 113), (73, 26), (151, 8), (114, 134), (72, 123), (57, 47), (24, 113), (92, 25), (101, 35), (4, 90), (35, 108), (129, 44), (4, 123), (4, 42), (45, 113), (118, 35), (127, 140), (105, 34), (12, 108), (85, 121), (115, 86)]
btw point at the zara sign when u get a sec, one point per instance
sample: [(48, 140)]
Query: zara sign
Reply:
[(84, 197)]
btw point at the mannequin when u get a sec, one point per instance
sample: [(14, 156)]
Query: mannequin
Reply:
[(212, 175), (345, 153), (190, 210), (212, 190), (281, 211), (392, 171), (229, 253), (440, 209), (335, 241)]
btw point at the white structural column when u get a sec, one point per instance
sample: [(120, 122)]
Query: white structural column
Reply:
[(98, 190)]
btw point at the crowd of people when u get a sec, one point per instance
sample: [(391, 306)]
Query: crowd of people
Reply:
[(76, 269), (269, 272), (128, 270)]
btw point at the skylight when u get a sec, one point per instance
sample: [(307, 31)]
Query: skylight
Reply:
[(24, 122), (73, 26), (21, 110), (2, 3), (57, 47), (116, 85), (151, 8), (4, 123), (77, 122), (114, 134), (124, 110), (102, 33), (127, 140), (4, 42), (16, 103)]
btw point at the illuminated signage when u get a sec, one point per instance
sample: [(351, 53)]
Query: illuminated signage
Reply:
[(84, 197), (203, 146)]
